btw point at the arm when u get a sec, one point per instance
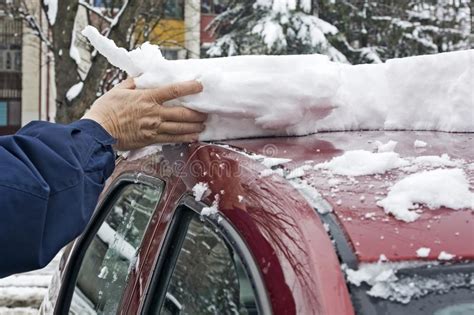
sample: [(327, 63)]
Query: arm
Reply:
[(50, 178), (51, 175)]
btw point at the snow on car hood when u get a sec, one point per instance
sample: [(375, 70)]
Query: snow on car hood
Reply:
[(250, 96)]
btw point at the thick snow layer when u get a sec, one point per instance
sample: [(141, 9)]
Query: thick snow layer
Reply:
[(295, 95), (361, 162), (434, 189), (199, 190)]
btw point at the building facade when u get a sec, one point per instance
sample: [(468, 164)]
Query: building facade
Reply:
[(26, 76)]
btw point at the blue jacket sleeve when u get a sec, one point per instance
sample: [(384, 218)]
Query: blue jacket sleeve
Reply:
[(51, 176)]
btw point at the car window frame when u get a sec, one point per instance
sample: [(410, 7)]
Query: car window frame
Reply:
[(162, 272), (79, 249)]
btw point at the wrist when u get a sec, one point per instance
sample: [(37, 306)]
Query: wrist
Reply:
[(104, 123)]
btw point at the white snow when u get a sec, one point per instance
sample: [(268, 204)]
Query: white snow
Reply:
[(312, 196), (361, 162), (420, 144), (199, 190), (271, 162), (423, 252), (52, 10), (386, 147), (74, 91), (298, 172), (385, 284), (434, 189), (269, 172), (445, 256), (213, 209), (297, 95), (434, 160)]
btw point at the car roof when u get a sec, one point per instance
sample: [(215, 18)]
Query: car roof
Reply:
[(370, 231)]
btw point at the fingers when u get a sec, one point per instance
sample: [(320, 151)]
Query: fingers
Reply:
[(175, 90), (175, 128), (128, 83), (182, 114)]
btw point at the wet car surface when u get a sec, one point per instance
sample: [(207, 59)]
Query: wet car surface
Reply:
[(264, 248)]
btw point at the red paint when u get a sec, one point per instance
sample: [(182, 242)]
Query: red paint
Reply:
[(439, 230), (297, 261)]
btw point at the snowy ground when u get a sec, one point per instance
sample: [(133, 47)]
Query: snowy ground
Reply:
[(23, 293)]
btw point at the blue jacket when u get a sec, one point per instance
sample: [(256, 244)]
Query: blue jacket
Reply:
[(51, 176)]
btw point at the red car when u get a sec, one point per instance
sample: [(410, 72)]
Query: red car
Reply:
[(254, 244)]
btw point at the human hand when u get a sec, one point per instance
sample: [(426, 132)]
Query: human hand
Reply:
[(137, 118)]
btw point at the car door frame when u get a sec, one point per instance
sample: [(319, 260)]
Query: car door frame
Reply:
[(226, 232), (76, 255)]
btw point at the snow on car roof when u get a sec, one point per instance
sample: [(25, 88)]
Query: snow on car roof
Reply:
[(250, 96), (355, 200)]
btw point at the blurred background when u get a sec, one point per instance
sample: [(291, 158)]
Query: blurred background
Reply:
[(49, 72)]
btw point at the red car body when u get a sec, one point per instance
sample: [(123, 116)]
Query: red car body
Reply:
[(299, 265)]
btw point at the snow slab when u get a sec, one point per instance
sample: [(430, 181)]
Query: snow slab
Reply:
[(250, 96), (434, 189)]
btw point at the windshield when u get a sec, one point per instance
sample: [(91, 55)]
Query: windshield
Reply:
[(438, 290)]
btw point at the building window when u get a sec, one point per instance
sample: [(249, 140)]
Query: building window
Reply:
[(10, 113), (3, 113), (10, 74), (174, 9)]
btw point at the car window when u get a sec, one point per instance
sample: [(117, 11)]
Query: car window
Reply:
[(208, 277), (104, 270)]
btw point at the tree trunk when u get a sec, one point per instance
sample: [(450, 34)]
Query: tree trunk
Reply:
[(68, 111)]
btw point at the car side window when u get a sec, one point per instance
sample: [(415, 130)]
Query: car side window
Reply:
[(107, 261), (208, 277)]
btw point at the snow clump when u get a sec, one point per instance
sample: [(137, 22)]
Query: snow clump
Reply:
[(423, 252), (199, 190), (435, 188), (445, 256), (361, 162), (420, 144)]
